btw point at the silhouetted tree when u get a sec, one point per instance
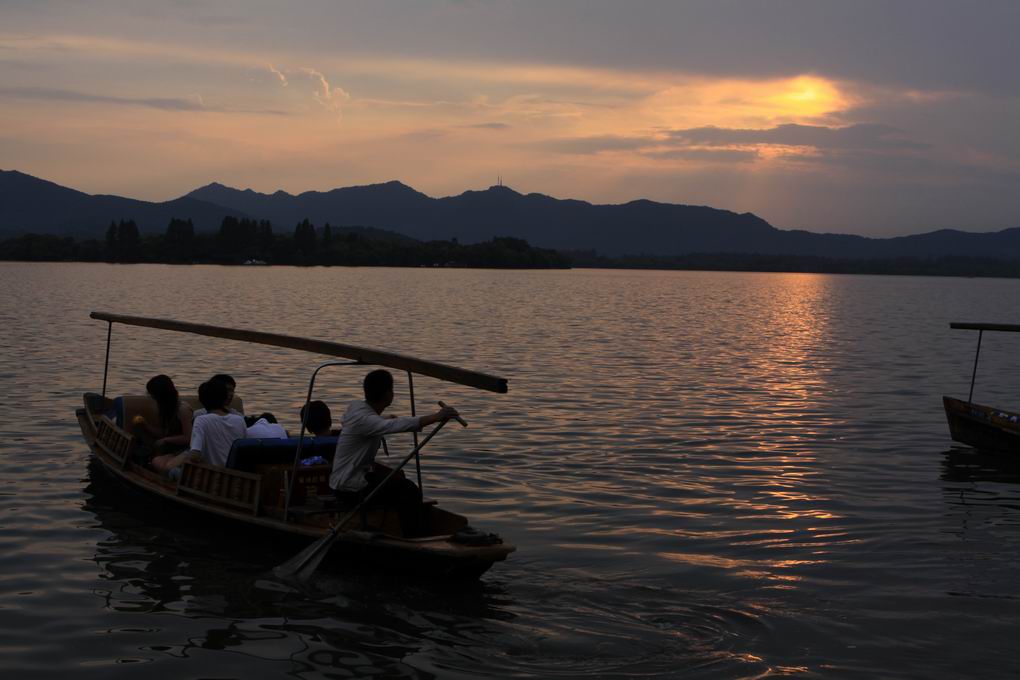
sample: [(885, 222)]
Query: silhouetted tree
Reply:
[(127, 241), (179, 241), (237, 238), (127, 234), (111, 241), (180, 232), (304, 236), (327, 236)]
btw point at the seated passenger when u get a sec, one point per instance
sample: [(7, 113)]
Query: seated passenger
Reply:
[(264, 427), (173, 433), (320, 420), (230, 384), (212, 434), (355, 473)]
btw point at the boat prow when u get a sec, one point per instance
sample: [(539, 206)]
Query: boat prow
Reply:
[(983, 427)]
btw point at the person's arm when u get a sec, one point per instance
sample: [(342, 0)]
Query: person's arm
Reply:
[(445, 413), (197, 439), (375, 425), (140, 423), (182, 439)]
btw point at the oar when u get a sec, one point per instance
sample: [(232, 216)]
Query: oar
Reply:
[(457, 418), (304, 564)]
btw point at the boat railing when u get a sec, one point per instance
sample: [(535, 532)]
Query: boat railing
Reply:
[(115, 442), (240, 490)]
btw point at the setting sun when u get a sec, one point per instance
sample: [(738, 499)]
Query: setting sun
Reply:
[(808, 96), (745, 103)]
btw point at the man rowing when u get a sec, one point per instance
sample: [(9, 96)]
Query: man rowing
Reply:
[(355, 473)]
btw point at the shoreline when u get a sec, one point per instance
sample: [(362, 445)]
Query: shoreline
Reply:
[(924, 269)]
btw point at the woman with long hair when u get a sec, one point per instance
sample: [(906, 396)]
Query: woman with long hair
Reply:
[(173, 432)]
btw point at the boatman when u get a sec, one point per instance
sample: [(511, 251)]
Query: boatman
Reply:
[(355, 473)]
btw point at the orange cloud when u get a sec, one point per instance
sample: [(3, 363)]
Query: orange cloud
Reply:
[(747, 103)]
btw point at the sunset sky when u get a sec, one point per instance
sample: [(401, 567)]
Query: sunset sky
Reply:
[(877, 118)]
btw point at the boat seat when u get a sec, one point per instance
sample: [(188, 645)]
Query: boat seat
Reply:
[(245, 454), (125, 408), (98, 405)]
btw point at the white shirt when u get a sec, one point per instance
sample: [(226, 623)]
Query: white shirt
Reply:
[(263, 429), (360, 435), (212, 435), (202, 412)]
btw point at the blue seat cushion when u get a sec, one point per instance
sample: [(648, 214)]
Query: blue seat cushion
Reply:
[(117, 414), (245, 454)]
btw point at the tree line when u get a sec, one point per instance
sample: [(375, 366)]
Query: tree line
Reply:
[(243, 240)]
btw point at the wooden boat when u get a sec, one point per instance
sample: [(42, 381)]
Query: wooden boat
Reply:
[(983, 427), (265, 488)]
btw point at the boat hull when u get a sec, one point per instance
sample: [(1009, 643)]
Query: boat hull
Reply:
[(983, 427), (432, 556)]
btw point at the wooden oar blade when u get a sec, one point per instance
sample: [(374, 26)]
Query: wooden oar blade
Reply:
[(304, 564)]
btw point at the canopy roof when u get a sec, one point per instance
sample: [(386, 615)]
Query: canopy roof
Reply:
[(986, 326), (363, 355)]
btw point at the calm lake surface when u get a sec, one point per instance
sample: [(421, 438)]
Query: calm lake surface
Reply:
[(707, 475)]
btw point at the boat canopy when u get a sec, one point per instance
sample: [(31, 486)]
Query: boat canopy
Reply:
[(482, 381), (1010, 327)]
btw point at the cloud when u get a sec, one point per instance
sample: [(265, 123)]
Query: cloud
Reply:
[(910, 168), (596, 144), (860, 136), (489, 126), (742, 145), (192, 103), (329, 96), (425, 135), (165, 103), (279, 74), (711, 155)]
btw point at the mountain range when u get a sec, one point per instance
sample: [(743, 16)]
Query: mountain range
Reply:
[(32, 205)]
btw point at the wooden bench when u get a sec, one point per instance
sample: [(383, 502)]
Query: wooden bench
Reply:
[(233, 488), (113, 441)]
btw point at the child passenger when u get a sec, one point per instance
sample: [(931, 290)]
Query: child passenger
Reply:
[(319, 421)]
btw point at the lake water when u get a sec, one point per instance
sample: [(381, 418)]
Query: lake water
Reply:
[(708, 475)]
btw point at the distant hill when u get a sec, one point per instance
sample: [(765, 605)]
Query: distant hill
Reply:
[(29, 204), (473, 216), (639, 227)]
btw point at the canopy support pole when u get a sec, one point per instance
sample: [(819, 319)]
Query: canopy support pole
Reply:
[(106, 365), (417, 456), (973, 375)]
